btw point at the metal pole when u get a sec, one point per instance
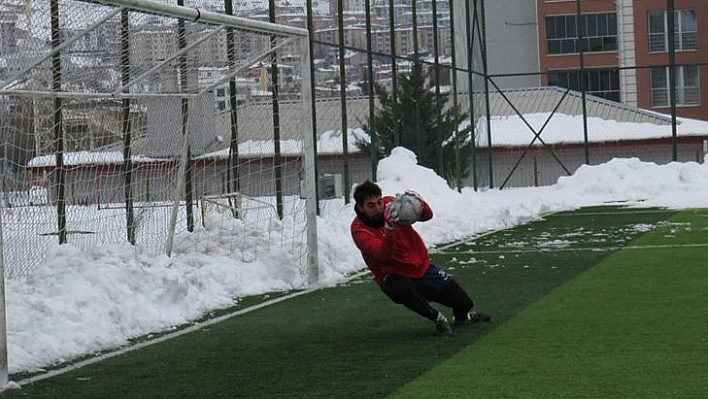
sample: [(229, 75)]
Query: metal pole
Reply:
[(394, 73), (233, 180), (184, 83), (670, 15), (4, 366), (370, 75), (416, 59), (311, 30), (469, 35), (414, 22), (277, 159), (486, 91), (58, 125), (343, 103), (581, 76), (453, 53), (436, 65), (127, 131)]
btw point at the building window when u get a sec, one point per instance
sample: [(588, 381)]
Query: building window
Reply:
[(687, 86), (685, 28), (599, 33), (598, 82)]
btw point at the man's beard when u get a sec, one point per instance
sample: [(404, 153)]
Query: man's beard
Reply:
[(371, 222)]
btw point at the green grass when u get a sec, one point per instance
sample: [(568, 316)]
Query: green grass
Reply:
[(632, 326), (351, 341)]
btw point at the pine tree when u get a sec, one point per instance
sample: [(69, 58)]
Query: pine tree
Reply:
[(426, 125)]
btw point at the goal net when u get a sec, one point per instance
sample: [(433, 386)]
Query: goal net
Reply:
[(175, 129)]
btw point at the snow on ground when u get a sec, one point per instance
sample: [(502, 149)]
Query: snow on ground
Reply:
[(80, 302)]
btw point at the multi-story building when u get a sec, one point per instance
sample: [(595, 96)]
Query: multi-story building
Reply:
[(8, 32), (625, 51)]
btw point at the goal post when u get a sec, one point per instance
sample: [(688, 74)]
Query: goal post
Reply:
[(118, 116)]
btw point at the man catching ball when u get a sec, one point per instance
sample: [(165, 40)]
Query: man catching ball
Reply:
[(397, 256)]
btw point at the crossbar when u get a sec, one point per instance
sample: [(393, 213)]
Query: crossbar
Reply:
[(195, 14)]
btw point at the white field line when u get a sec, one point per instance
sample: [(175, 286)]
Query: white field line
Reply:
[(603, 249), (557, 213), (169, 336), (441, 249), (616, 213), (437, 250)]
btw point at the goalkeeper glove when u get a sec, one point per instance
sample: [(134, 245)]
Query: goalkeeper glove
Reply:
[(415, 194), (391, 216)]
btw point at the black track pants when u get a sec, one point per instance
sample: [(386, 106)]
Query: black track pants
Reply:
[(453, 296), (403, 290)]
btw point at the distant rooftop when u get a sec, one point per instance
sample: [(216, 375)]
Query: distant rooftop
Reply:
[(545, 99)]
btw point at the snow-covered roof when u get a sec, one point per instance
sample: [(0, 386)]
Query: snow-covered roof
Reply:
[(512, 130), (328, 143), (87, 157)]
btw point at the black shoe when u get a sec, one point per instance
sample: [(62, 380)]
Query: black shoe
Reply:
[(478, 317), (474, 318), (442, 325)]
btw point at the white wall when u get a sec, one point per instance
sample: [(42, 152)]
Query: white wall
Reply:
[(512, 42)]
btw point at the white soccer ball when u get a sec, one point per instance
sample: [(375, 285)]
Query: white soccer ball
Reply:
[(408, 207)]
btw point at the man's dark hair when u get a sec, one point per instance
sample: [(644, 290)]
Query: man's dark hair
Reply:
[(366, 190)]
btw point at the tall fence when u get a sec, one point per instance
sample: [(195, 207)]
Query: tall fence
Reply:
[(547, 89)]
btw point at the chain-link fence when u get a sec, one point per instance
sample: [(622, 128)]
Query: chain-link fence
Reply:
[(547, 88)]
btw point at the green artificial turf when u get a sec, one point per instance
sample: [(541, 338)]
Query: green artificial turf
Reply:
[(351, 341), (632, 326)]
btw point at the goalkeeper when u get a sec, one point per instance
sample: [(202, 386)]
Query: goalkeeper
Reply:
[(398, 258)]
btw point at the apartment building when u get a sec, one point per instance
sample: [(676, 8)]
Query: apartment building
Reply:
[(625, 49)]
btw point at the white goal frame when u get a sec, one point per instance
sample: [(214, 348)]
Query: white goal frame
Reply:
[(308, 184)]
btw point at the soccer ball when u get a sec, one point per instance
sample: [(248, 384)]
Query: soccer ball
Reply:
[(408, 207)]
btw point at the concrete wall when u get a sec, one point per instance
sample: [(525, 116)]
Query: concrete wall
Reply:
[(512, 43)]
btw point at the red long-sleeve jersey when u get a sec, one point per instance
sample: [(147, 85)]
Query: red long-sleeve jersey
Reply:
[(398, 251)]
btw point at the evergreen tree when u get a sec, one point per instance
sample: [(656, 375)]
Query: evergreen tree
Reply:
[(426, 125)]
